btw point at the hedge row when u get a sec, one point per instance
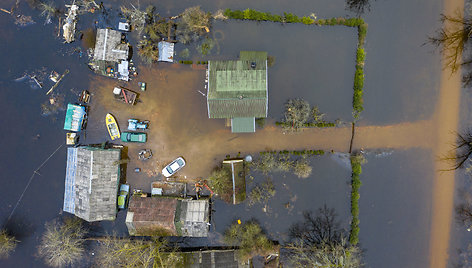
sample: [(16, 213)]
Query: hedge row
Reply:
[(319, 124), (302, 152), (355, 185), (357, 101)]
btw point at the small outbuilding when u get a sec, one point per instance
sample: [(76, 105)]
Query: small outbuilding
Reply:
[(111, 54), (91, 184), (75, 116), (167, 216), (166, 51), (238, 90)]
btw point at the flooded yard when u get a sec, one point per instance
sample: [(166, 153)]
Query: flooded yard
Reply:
[(396, 208), (329, 185), (315, 63)]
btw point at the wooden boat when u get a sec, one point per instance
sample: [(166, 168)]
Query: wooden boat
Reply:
[(112, 127)]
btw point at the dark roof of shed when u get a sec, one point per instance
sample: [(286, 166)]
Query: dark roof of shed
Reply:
[(92, 178)]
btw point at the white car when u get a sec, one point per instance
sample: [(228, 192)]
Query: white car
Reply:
[(173, 167)]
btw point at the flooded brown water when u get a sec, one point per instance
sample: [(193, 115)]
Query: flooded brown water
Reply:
[(402, 85), (446, 124)]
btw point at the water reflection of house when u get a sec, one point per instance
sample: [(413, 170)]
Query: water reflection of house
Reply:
[(110, 57), (167, 216), (91, 185), (238, 179), (237, 90)]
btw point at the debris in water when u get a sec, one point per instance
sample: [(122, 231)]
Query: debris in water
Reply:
[(23, 21), (57, 83), (54, 76), (70, 23)]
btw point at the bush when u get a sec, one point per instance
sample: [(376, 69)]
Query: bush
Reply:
[(302, 168), (250, 239), (7, 244), (220, 182), (307, 20), (262, 193), (356, 164)]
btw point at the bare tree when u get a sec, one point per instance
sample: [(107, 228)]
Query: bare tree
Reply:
[(461, 151), (358, 6), (325, 255), (7, 244), (322, 228), (194, 22), (451, 39), (62, 244), (319, 241)]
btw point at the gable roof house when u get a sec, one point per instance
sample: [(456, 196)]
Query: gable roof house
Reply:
[(91, 185), (238, 90), (110, 55), (167, 216)]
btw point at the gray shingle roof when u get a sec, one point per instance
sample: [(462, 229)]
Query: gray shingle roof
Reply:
[(95, 183), (108, 46)]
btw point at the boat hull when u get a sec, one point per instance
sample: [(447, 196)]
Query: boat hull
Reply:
[(112, 127)]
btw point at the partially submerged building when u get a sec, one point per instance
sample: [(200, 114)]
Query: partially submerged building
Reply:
[(75, 116), (111, 54), (238, 90), (166, 51), (91, 185), (167, 216)]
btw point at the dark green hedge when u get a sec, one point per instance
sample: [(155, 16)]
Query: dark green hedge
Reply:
[(355, 185)]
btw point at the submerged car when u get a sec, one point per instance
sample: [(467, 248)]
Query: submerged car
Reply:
[(122, 198), (133, 137), (173, 167)]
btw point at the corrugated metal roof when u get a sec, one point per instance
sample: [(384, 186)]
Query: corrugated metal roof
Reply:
[(243, 125), (238, 88), (95, 184), (108, 46), (74, 117), (166, 51)]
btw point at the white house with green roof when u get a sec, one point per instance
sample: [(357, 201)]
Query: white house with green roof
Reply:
[(237, 89)]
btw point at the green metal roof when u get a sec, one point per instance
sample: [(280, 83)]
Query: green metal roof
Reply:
[(238, 88), (243, 125), (253, 55)]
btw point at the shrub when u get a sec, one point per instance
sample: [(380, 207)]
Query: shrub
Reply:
[(262, 193), (307, 20), (7, 244), (291, 18), (356, 164), (250, 239), (302, 168), (220, 182)]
